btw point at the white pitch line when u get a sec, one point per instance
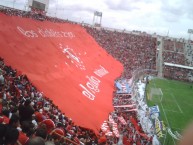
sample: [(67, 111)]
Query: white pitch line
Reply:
[(178, 128), (165, 114), (161, 91), (165, 138), (172, 111), (189, 104), (177, 103), (167, 120)]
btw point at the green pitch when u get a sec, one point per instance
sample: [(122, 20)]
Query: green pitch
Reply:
[(176, 105)]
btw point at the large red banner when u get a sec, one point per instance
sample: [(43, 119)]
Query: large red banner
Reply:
[(65, 63)]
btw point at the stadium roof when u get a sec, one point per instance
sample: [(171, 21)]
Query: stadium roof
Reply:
[(178, 65)]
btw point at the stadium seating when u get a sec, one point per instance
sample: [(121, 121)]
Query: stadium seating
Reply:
[(174, 52), (133, 51)]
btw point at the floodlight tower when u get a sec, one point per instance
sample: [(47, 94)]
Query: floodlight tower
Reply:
[(190, 32), (26, 6), (41, 5), (95, 18), (14, 3)]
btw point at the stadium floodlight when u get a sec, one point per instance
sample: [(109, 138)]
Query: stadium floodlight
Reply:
[(39, 4), (190, 32), (97, 15), (14, 3)]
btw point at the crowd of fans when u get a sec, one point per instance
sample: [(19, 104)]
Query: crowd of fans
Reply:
[(173, 45), (31, 117), (32, 14), (139, 51), (189, 54), (28, 116), (143, 113), (26, 112), (174, 53), (174, 57), (133, 51), (132, 132), (119, 100), (177, 73)]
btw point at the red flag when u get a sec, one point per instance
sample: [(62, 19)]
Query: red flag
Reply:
[(65, 63)]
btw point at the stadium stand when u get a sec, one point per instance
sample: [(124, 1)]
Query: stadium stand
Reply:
[(33, 15), (133, 51), (175, 53), (40, 117)]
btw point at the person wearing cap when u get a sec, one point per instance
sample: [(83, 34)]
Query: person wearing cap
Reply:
[(36, 141), (22, 138), (4, 119), (49, 124), (41, 132), (57, 133), (39, 116), (8, 134)]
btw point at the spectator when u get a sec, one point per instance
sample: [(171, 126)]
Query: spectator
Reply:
[(14, 121), (133, 51), (8, 134), (49, 143), (26, 111), (41, 132), (36, 141)]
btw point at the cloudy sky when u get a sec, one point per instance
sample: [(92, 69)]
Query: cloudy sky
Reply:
[(160, 16)]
